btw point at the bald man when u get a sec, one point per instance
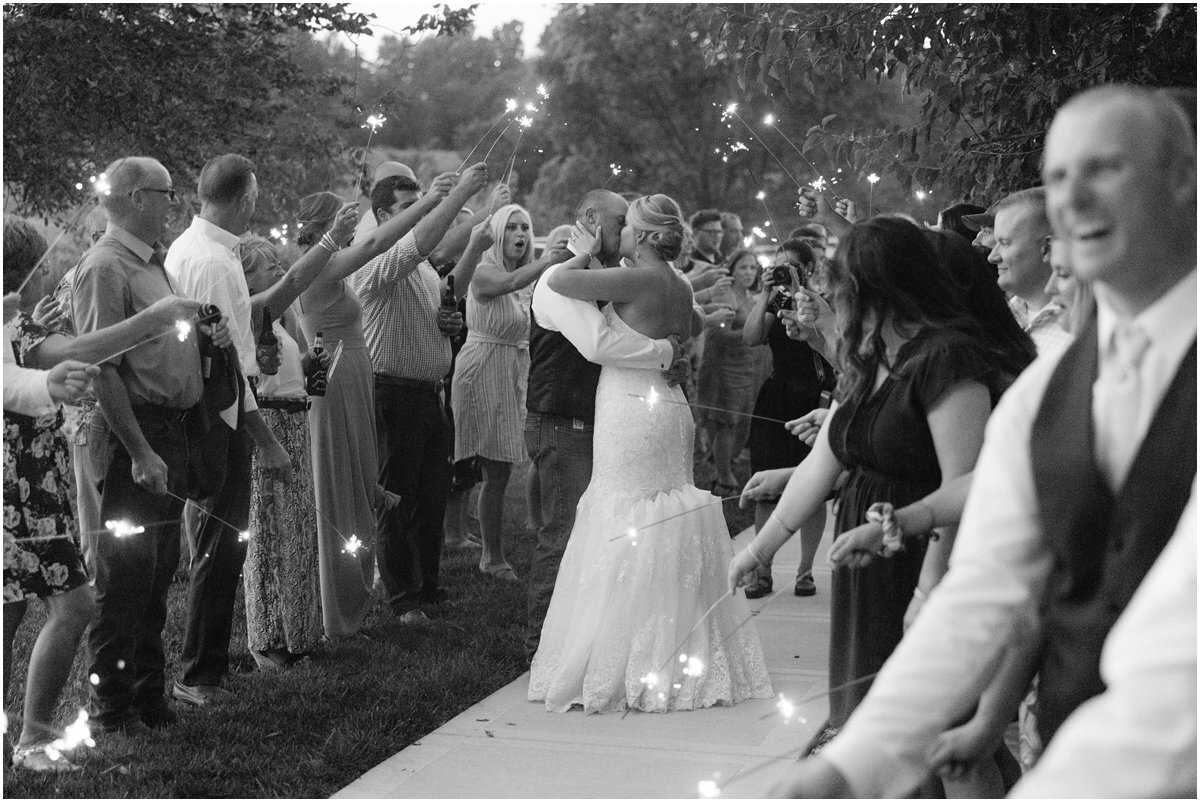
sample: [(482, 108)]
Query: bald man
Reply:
[(1066, 516)]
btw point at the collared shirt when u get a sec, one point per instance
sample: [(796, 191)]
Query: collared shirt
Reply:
[(400, 296), (1044, 329), (1137, 739), (206, 267), (118, 277), (997, 575), (586, 329), (25, 389)]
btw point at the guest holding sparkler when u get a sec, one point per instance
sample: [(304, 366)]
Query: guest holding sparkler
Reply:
[(728, 370), (491, 376), (283, 611), (801, 381), (139, 446), (918, 383), (345, 462)]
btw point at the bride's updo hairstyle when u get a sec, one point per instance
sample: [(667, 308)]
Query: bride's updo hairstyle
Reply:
[(660, 218)]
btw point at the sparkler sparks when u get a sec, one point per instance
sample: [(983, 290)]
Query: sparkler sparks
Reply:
[(510, 105), (731, 111), (819, 184), (76, 734), (873, 178), (526, 122), (182, 330), (543, 92), (122, 529), (761, 196), (244, 537), (708, 789), (374, 122), (352, 545), (769, 119)]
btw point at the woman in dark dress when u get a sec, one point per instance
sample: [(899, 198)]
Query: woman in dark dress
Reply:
[(799, 377), (919, 379)]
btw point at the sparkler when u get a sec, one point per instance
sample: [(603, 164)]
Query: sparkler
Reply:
[(374, 122), (633, 532), (761, 197), (615, 170), (243, 535), (100, 186), (123, 528), (654, 398), (74, 735), (352, 545), (731, 111), (769, 121), (510, 105), (180, 328), (872, 179)]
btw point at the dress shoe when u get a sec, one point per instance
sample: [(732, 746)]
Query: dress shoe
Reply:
[(805, 585), (158, 714), (201, 695)]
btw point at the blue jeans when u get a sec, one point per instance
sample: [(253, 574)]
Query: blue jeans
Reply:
[(561, 450)]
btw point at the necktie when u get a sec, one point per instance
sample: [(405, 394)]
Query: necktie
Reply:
[(1120, 422)]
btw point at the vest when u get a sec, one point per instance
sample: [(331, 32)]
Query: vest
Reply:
[(1102, 544), (561, 381)]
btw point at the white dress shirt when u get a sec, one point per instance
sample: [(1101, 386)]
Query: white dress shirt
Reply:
[(204, 266), (584, 326), (26, 390), (1138, 738), (997, 576)]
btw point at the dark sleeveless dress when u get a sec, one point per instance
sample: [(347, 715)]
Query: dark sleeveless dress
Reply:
[(885, 444)]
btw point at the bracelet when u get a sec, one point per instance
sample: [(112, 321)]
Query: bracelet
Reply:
[(883, 514), (781, 524), (328, 243), (753, 552)]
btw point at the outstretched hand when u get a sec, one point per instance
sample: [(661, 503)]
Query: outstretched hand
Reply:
[(481, 235), (858, 546), (68, 380), (344, 223)]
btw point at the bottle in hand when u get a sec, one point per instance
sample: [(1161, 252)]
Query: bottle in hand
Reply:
[(267, 349), (449, 304), (314, 381)]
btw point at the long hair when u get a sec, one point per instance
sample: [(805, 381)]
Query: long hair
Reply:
[(736, 257), (315, 216), (887, 271), (984, 300), (500, 218)]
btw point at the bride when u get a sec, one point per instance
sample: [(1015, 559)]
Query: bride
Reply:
[(649, 553)]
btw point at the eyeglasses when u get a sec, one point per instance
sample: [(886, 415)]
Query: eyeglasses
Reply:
[(170, 193)]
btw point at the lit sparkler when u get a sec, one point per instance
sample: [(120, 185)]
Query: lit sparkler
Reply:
[(352, 545), (653, 398), (543, 92), (614, 171), (182, 329), (731, 111), (632, 532), (123, 528), (374, 122), (872, 180), (818, 184)]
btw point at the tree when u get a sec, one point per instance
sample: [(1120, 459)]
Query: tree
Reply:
[(88, 83), (989, 76)]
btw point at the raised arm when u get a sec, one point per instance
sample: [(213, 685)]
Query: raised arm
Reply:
[(94, 346), (454, 243), (492, 282), (305, 270), (388, 233), (433, 227), (465, 268)]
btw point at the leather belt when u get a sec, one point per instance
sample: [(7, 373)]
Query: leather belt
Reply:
[(408, 384)]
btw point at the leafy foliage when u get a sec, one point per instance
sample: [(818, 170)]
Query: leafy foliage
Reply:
[(88, 83), (989, 76)]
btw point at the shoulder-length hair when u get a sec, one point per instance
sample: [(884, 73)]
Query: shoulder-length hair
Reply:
[(887, 271)]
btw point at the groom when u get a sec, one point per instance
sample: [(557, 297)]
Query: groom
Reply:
[(569, 341)]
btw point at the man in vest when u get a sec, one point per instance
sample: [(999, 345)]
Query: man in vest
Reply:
[(569, 340), (1088, 463)]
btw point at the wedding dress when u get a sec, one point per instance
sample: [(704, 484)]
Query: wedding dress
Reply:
[(647, 559)]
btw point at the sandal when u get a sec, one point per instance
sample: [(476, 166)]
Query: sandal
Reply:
[(805, 586), (499, 571), (37, 758)]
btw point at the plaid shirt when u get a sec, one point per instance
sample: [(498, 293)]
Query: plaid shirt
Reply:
[(400, 295)]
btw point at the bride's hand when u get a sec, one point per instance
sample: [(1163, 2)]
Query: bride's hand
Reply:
[(583, 241), (742, 570)]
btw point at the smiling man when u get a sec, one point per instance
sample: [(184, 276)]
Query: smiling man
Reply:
[(1087, 467)]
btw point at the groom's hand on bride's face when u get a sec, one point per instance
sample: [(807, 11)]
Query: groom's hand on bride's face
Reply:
[(681, 366)]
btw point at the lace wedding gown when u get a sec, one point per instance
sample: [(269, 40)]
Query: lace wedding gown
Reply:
[(634, 580)]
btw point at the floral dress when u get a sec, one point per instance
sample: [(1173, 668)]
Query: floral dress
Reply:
[(41, 550)]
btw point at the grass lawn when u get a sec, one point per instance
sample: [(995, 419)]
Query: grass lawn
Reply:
[(310, 731)]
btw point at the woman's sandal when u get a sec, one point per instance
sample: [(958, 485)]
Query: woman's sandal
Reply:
[(499, 571), (36, 758)]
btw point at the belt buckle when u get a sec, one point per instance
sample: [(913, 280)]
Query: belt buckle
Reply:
[(578, 425)]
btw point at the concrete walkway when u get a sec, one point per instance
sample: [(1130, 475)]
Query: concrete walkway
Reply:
[(507, 747)]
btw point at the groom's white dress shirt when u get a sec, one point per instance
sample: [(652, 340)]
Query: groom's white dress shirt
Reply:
[(585, 327), (997, 576)]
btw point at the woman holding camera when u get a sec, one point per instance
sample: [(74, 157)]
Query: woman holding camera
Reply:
[(801, 381)]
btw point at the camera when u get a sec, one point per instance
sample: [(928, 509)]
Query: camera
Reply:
[(782, 300), (781, 276)]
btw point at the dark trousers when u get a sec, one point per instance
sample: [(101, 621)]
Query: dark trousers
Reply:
[(414, 441), (561, 450), (133, 573), (218, 554)]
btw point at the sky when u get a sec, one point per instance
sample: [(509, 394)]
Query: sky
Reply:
[(391, 18)]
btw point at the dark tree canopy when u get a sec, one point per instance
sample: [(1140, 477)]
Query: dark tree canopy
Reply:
[(989, 76), (88, 83)]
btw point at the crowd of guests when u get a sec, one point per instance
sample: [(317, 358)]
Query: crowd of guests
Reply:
[(317, 439)]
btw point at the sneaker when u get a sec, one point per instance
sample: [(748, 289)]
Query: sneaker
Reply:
[(201, 695), (805, 585)]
